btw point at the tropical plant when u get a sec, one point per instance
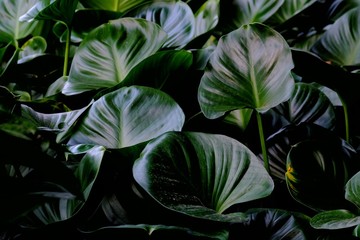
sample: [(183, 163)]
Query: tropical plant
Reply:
[(179, 119)]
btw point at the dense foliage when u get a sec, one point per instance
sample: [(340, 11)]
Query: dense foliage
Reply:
[(150, 119)]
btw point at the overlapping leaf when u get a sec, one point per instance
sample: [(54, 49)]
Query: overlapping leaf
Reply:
[(250, 68), (110, 51), (128, 116), (201, 174)]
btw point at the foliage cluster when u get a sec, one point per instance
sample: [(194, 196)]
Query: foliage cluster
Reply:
[(177, 119)]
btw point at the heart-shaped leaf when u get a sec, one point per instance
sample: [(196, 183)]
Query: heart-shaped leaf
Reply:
[(318, 170), (234, 14), (176, 19), (308, 104), (250, 68), (11, 28), (340, 44), (201, 174), (128, 116), (110, 51)]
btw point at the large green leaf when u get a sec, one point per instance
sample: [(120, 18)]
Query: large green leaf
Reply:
[(288, 9), (318, 170), (340, 44), (128, 116), (110, 51), (86, 173), (175, 18), (234, 14), (308, 104), (59, 10), (250, 68), (11, 29), (201, 174)]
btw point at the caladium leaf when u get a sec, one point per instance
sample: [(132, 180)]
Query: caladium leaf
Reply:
[(201, 174), (176, 19), (128, 116), (250, 68), (110, 51), (11, 28), (308, 104), (339, 44)]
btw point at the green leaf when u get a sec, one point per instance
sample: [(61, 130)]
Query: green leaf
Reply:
[(308, 104), (115, 5), (288, 9), (335, 219), (86, 173), (201, 175), (318, 170), (143, 231), (59, 10), (11, 28), (339, 44), (57, 122), (275, 224), (128, 116), (207, 16), (157, 70), (234, 14), (110, 51), (352, 190), (32, 48), (250, 68), (175, 18)]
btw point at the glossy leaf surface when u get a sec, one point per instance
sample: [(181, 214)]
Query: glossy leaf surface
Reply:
[(128, 116), (250, 68), (110, 51), (201, 174)]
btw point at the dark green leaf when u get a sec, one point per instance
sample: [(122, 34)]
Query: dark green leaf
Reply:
[(317, 171), (250, 68), (340, 44), (335, 219), (128, 116), (110, 51), (175, 18), (201, 174)]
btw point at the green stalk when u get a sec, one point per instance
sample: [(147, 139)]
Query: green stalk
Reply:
[(346, 119), (262, 141), (67, 51)]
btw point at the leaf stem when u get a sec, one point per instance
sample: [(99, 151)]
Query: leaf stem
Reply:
[(346, 119), (67, 50), (262, 141)]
